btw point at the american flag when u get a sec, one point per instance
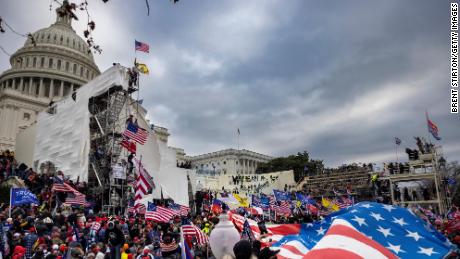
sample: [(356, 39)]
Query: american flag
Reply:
[(432, 128), (140, 46), (158, 213), (275, 232), (79, 200), (193, 230), (239, 220), (142, 172), (136, 133), (180, 210), (144, 183), (342, 240), (397, 229), (284, 208), (65, 187)]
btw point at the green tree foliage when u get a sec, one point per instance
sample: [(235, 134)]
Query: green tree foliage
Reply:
[(300, 163)]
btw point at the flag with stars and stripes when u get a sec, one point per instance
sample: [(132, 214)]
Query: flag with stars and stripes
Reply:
[(396, 229)]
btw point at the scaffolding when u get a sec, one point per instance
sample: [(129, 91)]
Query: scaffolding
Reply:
[(105, 135), (425, 168)]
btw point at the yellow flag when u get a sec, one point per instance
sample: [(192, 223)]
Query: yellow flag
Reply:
[(243, 202), (298, 204), (335, 207), (142, 68), (325, 202)]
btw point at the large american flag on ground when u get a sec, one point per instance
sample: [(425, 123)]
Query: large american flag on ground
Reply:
[(275, 232), (192, 230), (342, 240), (397, 229), (158, 213), (136, 133)]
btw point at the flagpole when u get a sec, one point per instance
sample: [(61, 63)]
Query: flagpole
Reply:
[(11, 196), (238, 137)]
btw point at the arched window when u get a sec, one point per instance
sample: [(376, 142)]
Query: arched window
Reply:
[(50, 63), (27, 62), (59, 64), (81, 71), (34, 63), (67, 66), (42, 62), (75, 69)]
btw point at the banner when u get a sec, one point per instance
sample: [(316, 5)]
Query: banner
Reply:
[(118, 172), (20, 196)]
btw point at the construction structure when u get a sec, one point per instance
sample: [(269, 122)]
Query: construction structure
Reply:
[(422, 183), (81, 135), (348, 179), (105, 136)]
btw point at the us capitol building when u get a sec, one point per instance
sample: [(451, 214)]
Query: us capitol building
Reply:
[(58, 63)]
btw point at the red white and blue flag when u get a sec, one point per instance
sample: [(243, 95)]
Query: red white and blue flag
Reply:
[(140, 46), (366, 230), (432, 128), (192, 230), (136, 133), (158, 213), (180, 210)]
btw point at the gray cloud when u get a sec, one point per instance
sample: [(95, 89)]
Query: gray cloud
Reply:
[(339, 79)]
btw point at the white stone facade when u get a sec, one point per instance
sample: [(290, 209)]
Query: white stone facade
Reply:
[(228, 161), (57, 64), (246, 184)]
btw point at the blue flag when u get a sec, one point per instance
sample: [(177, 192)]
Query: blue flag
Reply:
[(396, 228), (20, 196), (151, 206), (305, 199), (281, 196)]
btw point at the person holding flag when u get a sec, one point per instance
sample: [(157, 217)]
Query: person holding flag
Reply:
[(21, 196)]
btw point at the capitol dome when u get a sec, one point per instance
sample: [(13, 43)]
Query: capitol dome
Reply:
[(48, 68)]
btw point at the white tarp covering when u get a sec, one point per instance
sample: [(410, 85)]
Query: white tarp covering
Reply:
[(160, 161), (63, 138)]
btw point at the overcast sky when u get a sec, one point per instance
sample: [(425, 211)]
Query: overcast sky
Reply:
[(339, 79)]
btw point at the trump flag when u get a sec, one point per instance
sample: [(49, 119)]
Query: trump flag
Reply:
[(20, 196)]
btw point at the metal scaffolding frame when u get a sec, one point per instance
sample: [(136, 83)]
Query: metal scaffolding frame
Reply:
[(105, 135)]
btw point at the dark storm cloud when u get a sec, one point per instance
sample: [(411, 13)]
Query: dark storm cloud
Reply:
[(339, 79)]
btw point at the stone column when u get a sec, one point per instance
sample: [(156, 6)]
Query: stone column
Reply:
[(3, 126), (61, 91), (40, 87), (31, 81), (51, 88), (13, 84), (245, 166), (21, 84)]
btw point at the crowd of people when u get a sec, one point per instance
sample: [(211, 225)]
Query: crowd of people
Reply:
[(53, 229)]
